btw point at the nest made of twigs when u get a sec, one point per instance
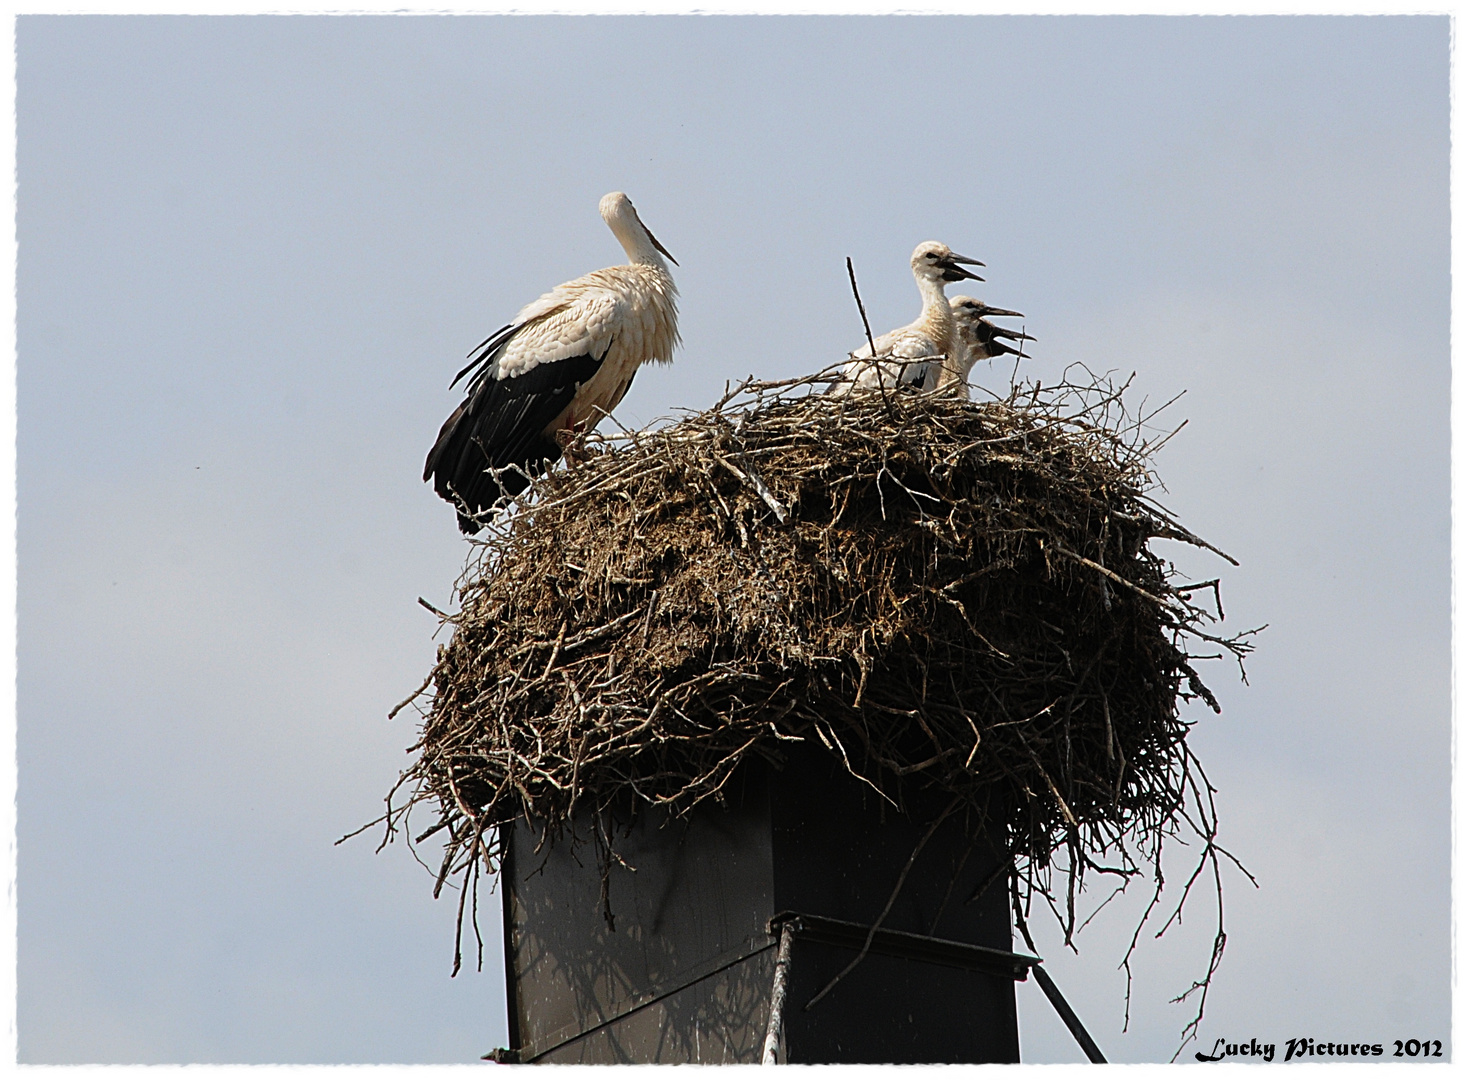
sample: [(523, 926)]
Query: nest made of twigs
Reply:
[(949, 596)]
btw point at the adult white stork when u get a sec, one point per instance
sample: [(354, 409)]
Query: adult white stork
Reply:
[(563, 363), (930, 335), (975, 339)]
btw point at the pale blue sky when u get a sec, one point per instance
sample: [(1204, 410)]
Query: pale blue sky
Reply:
[(253, 252)]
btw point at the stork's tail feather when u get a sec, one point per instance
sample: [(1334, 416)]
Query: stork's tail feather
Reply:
[(474, 489)]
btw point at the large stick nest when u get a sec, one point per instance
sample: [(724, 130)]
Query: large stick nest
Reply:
[(951, 597)]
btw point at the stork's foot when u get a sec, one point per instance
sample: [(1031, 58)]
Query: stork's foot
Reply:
[(572, 441)]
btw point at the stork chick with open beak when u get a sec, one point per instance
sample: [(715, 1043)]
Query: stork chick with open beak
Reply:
[(565, 361), (904, 356), (975, 339)]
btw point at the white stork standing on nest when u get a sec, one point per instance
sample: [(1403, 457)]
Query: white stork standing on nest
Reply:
[(975, 339), (563, 363), (900, 353)]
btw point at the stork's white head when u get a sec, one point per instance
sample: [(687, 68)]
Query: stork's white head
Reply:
[(932, 261), (636, 238)]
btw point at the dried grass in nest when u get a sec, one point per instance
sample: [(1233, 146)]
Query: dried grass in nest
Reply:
[(951, 597)]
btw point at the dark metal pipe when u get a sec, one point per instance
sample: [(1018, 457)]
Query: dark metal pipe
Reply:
[(1072, 1021)]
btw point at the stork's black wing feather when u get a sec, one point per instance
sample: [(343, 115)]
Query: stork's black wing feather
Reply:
[(501, 424), (481, 354)]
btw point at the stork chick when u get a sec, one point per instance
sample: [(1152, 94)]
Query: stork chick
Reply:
[(900, 353), (975, 339), (563, 363)]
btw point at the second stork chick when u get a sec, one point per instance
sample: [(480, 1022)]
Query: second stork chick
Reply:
[(975, 338)]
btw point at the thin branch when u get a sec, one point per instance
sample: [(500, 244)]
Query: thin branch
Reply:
[(851, 273)]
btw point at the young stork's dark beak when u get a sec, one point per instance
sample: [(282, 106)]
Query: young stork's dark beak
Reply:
[(953, 268), (1013, 335), (986, 311)]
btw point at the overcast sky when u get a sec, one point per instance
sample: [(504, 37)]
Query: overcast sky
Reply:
[(253, 252)]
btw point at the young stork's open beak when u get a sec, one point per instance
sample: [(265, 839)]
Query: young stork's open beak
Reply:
[(953, 268), (1013, 335)]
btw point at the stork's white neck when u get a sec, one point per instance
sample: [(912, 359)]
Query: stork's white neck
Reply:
[(937, 316), (635, 240), (931, 290), (937, 320)]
